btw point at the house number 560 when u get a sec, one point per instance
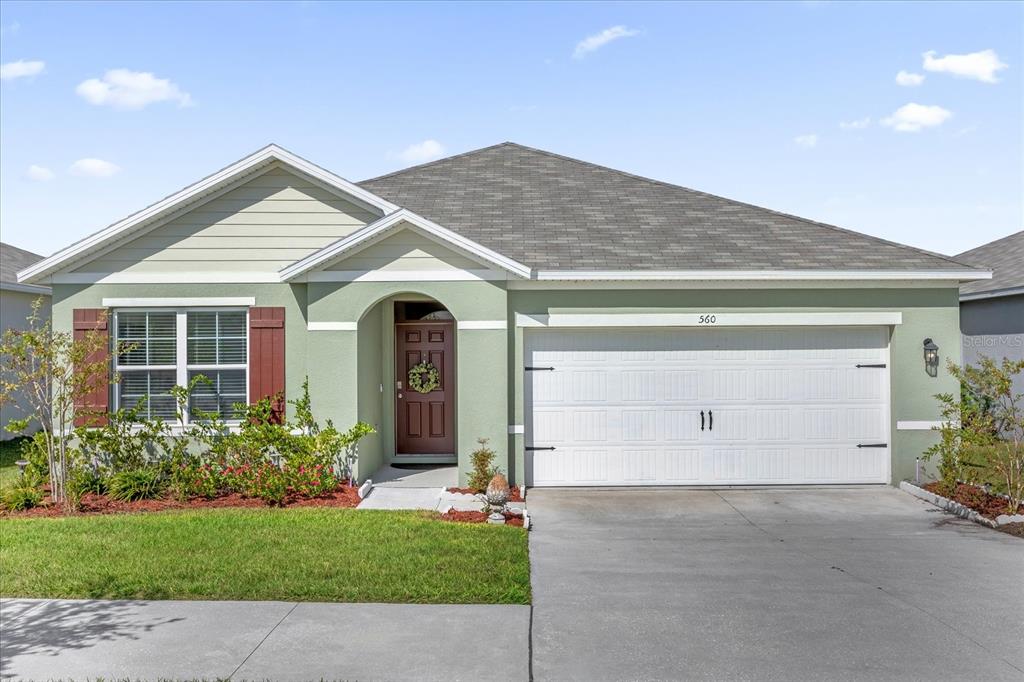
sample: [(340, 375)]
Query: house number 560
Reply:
[(707, 319)]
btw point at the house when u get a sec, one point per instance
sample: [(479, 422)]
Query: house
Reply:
[(992, 311), (15, 306), (599, 328)]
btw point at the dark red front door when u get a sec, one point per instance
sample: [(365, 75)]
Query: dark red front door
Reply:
[(425, 421)]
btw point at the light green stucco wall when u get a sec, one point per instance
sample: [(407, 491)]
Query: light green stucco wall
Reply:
[(927, 312), (346, 368)]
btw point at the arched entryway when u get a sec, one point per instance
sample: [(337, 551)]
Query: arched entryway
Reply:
[(424, 333)]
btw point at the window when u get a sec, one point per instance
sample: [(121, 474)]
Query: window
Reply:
[(170, 347)]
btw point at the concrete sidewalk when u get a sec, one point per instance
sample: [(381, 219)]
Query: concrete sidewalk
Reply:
[(50, 639)]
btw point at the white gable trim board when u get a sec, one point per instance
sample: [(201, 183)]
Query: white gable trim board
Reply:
[(733, 406), (202, 190), (401, 219)]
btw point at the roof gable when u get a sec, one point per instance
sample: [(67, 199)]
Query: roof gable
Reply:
[(390, 224), (195, 195)]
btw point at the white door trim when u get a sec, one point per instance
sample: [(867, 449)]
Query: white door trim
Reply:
[(710, 319)]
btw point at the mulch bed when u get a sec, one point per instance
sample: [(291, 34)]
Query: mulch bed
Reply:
[(515, 495), (480, 517), (1016, 529), (989, 506), (345, 496)]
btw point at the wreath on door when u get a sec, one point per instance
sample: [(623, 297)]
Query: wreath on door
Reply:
[(424, 377)]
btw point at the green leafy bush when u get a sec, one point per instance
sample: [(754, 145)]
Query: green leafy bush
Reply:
[(267, 483), (86, 480), (191, 479), (312, 481), (484, 470), (24, 493), (136, 484)]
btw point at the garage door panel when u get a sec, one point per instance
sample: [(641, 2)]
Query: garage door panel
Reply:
[(789, 406)]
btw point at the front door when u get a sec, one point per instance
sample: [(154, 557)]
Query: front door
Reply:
[(425, 420)]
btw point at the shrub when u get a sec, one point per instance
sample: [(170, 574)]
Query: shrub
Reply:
[(483, 466), (267, 483), (86, 480), (135, 484), (24, 493), (987, 419), (189, 479), (311, 481)]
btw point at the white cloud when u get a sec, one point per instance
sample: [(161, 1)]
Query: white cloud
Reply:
[(857, 124), (909, 80), (912, 118), (39, 173), (599, 40), (981, 66), (806, 141), (94, 168), (21, 69), (126, 89), (422, 151)]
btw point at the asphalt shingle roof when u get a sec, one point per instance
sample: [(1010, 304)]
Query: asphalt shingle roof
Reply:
[(1005, 257), (551, 212), (13, 259)]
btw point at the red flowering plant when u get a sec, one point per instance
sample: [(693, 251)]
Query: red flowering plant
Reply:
[(313, 480)]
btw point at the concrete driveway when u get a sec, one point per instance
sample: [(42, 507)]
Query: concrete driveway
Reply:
[(865, 583)]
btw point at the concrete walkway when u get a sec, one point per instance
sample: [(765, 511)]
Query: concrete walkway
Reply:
[(51, 639)]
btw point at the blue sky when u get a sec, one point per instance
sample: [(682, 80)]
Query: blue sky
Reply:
[(134, 101)]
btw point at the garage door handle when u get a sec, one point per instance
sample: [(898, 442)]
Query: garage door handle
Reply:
[(702, 420), (872, 445), (879, 366), (540, 369), (711, 421), (531, 448)]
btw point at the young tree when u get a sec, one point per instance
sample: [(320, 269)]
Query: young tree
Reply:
[(51, 374)]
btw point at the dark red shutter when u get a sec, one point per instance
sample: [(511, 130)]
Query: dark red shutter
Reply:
[(91, 409), (266, 357)]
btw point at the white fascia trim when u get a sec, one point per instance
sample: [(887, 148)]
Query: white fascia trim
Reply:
[(389, 222), (194, 302), (482, 324), (223, 277), (332, 326), (26, 288), (918, 425), (758, 275), (405, 276), (264, 156), (720, 319), (992, 294)]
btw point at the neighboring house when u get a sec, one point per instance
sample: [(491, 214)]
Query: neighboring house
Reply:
[(992, 311), (597, 327), (15, 306)]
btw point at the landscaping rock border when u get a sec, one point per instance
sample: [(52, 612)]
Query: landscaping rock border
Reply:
[(960, 510)]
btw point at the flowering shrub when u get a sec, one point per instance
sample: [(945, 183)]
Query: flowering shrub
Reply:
[(312, 481), (195, 479), (267, 482)]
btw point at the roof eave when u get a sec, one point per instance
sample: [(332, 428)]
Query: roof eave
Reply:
[(761, 275)]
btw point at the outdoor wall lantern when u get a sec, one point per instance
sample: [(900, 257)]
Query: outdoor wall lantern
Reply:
[(931, 358)]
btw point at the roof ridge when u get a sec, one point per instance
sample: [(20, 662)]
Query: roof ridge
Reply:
[(741, 203), (435, 162)]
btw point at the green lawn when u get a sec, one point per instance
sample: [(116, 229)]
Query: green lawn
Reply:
[(10, 452), (280, 554)]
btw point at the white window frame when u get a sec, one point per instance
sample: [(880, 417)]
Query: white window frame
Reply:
[(182, 366)]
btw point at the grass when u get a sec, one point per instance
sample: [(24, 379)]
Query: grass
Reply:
[(305, 554), (10, 452)]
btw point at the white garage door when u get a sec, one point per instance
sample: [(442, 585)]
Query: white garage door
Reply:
[(707, 406)]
